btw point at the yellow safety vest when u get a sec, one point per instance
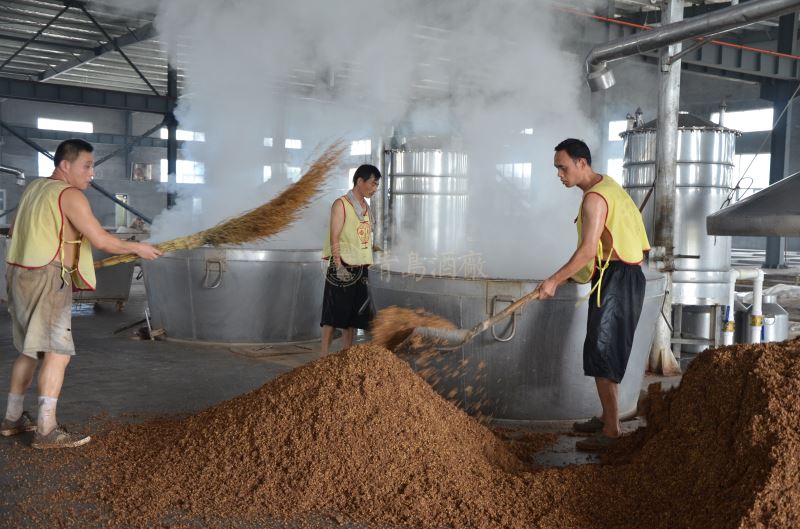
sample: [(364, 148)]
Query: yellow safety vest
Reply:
[(625, 225), (38, 236), (355, 240)]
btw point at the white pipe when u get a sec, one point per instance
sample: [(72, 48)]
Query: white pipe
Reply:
[(756, 314), (729, 325)]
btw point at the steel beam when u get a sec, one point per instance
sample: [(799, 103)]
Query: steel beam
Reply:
[(34, 37), (172, 133), (95, 138), (76, 95), (143, 33)]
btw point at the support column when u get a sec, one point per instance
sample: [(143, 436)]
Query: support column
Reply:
[(781, 134), (172, 133), (662, 358)]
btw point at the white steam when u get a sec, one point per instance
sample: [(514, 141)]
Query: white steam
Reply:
[(475, 71)]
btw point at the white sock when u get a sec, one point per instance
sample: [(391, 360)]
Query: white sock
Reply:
[(14, 408), (46, 421)]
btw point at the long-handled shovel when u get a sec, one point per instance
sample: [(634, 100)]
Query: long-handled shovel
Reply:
[(427, 338)]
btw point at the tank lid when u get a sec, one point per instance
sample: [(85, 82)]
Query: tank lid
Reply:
[(686, 121)]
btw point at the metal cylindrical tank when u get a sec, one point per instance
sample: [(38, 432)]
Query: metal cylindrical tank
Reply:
[(530, 367), (776, 320), (703, 181), (428, 196), (237, 295)]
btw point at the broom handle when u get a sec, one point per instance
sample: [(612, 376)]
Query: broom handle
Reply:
[(503, 314)]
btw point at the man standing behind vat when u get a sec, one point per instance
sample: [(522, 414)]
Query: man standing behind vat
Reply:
[(611, 246), (348, 250), (49, 256)]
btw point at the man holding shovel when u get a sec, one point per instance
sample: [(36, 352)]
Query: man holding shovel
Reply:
[(49, 256), (348, 250), (611, 246)]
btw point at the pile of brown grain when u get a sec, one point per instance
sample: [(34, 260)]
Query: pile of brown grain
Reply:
[(359, 437), (722, 451), (355, 434)]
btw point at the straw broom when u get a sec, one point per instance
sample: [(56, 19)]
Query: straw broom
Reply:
[(264, 221)]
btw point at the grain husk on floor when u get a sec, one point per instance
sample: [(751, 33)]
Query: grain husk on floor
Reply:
[(359, 437)]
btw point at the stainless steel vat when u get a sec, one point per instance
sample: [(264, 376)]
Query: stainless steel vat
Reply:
[(113, 283), (703, 180), (237, 295), (428, 197), (776, 320), (537, 374)]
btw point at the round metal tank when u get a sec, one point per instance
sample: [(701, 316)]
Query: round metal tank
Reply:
[(776, 320), (428, 196), (537, 375), (703, 181), (237, 295)]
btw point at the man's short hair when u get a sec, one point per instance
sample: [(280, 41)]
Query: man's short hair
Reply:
[(364, 172), (69, 150), (576, 149)]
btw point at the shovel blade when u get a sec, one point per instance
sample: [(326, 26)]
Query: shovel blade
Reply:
[(424, 339)]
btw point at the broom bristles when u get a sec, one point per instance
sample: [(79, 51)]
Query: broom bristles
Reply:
[(264, 221)]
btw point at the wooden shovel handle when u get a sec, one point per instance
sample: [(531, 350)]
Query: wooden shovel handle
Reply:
[(503, 314)]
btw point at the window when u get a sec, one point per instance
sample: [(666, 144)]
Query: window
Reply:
[(293, 144), (293, 173), (757, 176), (187, 172), (45, 165), (614, 169), (267, 172), (527, 132), (62, 124), (267, 142), (747, 120), (120, 213), (615, 128), (517, 173), (361, 148), (184, 135)]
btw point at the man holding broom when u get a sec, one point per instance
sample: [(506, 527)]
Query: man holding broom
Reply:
[(49, 256), (348, 250)]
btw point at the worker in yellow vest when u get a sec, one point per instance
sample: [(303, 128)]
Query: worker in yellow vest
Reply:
[(611, 247), (346, 302), (50, 254)]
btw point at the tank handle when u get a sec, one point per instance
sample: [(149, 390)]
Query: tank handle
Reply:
[(220, 268), (510, 336)]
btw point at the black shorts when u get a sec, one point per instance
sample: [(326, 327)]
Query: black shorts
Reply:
[(610, 328), (347, 303)]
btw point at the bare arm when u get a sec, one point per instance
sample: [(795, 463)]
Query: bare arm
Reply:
[(79, 213), (337, 224), (594, 212)]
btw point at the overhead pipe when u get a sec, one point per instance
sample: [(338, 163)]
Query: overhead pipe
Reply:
[(600, 77), (19, 173)]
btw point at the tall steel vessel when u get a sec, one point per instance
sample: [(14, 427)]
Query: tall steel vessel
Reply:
[(703, 181)]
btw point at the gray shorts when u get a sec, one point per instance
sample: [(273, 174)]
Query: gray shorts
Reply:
[(40, 304)]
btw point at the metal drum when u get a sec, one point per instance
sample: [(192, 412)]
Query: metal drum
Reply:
[(530, 367), (703, 181), (776, 320), (113, 283), (428, 197), (237, 295)]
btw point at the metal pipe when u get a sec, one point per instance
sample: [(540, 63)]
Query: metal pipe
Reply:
[(600, 77), (19, 173), (664, 195), (378, 202)]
